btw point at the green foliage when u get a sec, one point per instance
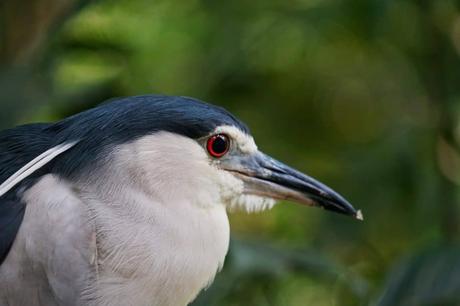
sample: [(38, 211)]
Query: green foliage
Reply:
[(258, 274)]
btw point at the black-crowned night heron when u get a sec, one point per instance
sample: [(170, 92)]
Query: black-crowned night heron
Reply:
[(126, 203)]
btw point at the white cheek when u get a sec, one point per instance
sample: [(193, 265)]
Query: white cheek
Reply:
[(231, 191), (229, 185)]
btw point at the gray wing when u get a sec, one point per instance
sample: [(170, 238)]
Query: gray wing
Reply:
[(53, 258)]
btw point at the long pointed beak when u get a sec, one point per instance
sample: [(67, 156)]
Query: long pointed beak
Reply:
[(267, 177)]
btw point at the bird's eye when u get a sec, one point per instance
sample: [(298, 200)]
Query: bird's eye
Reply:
[(218, 145)]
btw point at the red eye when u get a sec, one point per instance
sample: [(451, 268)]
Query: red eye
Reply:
[(218, 145)]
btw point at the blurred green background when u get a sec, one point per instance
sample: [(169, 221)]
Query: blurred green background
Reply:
[(362, 94)]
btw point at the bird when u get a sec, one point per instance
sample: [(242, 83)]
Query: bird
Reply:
[(127, 203)]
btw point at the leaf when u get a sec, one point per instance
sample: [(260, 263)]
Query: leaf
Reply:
[(431, 277)]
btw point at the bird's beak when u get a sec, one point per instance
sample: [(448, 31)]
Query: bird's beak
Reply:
[(267, 177)]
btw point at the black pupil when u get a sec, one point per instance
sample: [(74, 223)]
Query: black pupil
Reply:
[(219, 145)]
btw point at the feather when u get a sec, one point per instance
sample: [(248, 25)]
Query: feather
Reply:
[(34, 165)]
